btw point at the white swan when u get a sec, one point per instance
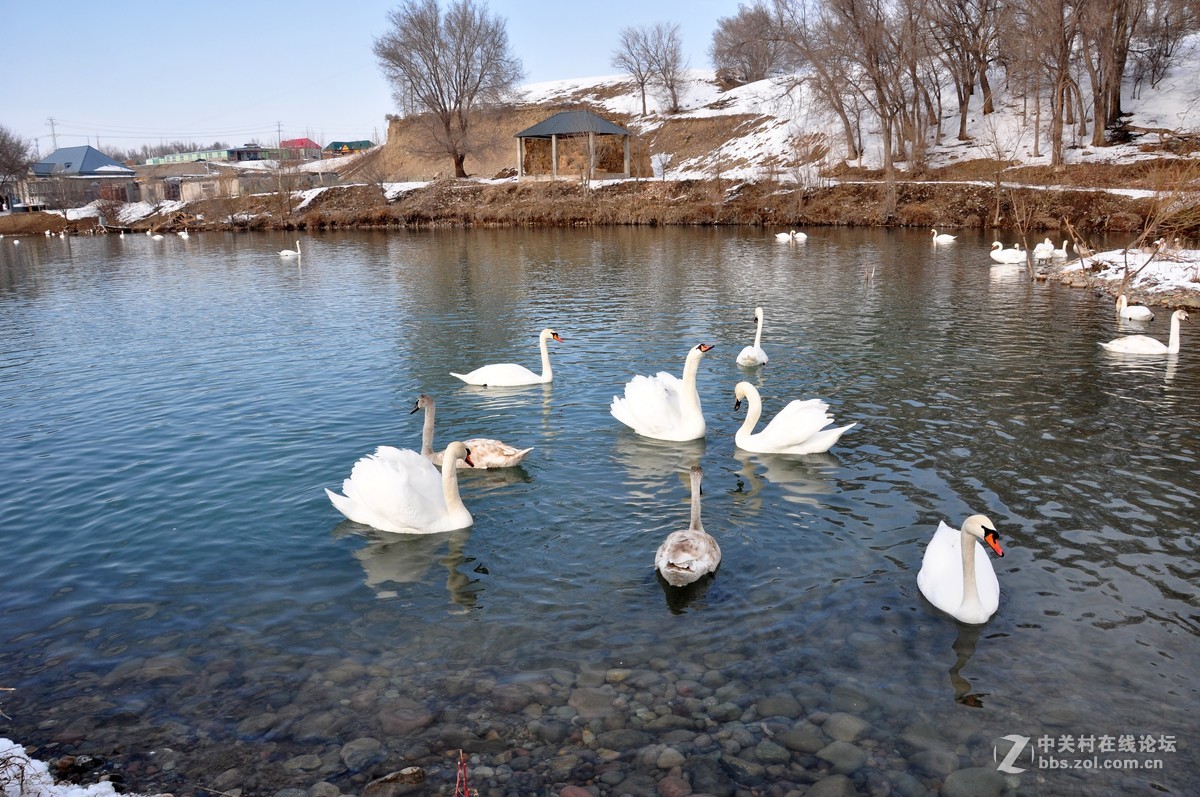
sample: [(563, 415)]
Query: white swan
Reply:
[(685, 556), (754, 355), (956, 574), (1133, 312), (1061, 252), (399, 490), (510, 374), (183, 233), (1043, 251), (791, 237), (1144, 344), (944, 238), (156, 237), (664, 407), (290, 252), (485, 452), (1007, 257), (799, 428)]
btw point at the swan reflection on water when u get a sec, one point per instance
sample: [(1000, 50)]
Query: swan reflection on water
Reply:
[(681, 599), (395, 559), (964, 649), (802, 479), (648, 461), (1143, 365)]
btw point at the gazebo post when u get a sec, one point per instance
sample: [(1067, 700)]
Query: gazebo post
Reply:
[(626, 156), (591, 155), (554, 157), (520, 157)]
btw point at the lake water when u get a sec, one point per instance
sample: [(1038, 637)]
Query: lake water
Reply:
[(182, 603)]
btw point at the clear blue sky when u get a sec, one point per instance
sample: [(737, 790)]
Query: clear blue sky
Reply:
[(129, 72)]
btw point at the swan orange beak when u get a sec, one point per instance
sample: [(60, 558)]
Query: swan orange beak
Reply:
[(467, 459), (556, 337), (704, 346), (992, 538)]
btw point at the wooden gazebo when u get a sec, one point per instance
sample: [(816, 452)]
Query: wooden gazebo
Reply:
[(571, 124)]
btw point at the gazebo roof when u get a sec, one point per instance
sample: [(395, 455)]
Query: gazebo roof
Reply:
[(572, 123)]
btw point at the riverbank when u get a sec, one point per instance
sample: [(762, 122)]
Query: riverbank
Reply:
[(1090, 199)]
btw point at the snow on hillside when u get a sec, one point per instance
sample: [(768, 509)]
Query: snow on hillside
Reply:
[(787, 110)]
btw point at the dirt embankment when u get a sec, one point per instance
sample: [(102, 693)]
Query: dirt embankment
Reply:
[(960, 198)]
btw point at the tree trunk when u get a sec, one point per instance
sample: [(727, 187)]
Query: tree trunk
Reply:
[(985, 88), (459, 158)]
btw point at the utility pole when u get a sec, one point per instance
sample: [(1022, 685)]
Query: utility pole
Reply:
[(53, 135)]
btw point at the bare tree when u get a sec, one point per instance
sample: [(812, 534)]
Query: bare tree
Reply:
[(448, 65), (746, 47), (817, 45), (633, 56), (1107, 28), (653, 55), (965, 31), (15, 158), (1168, 23), (669, 63)]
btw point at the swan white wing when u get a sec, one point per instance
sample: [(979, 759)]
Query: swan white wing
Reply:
[(821, 442), (651, 405), (1136, 344), (795, 423), (685, 556), (941, 578), (500, 375), (392, 490), (752, 355)]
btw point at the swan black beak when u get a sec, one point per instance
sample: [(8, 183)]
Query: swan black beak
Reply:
[(414, 409), (992, 538), (737, 404)]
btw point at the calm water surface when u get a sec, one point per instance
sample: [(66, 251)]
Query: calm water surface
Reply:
[(179, 594)]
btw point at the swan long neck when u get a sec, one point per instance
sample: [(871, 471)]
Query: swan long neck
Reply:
[(691, 397), (970, 589), (427, 432), (695, 524), (758, 332), (543, 344), (450, 483), (753, 412), (1173, 341)]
